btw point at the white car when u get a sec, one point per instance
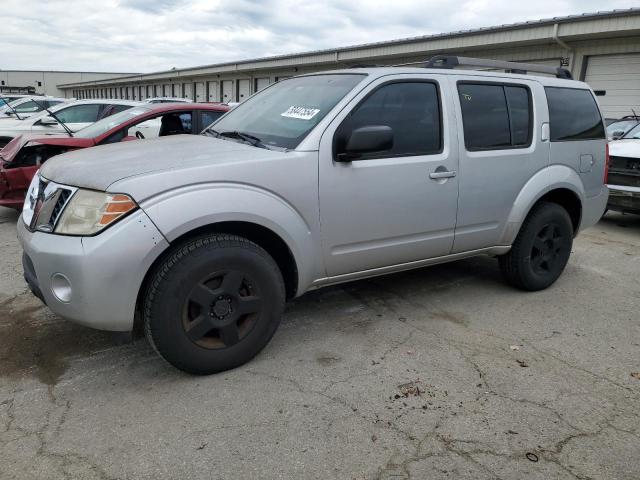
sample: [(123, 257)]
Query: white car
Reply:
[(26, 107), (167, 100), (75, 115), (623, 176), (10, 97)]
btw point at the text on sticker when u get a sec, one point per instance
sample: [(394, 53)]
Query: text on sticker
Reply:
[(301, 113)]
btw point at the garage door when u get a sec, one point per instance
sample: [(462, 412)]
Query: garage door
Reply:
[(244, 89), (618, 77), (227, 91), (261, 83), (213, 91), (200, 92)]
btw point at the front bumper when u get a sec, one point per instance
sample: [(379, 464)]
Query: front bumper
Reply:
[(624, 199), (104, 273)]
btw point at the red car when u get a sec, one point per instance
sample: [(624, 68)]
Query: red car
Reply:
[(21, 158)]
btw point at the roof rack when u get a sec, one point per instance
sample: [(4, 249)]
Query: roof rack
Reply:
[(452, 61)]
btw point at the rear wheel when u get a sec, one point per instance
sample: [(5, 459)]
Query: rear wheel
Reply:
[(541, 250), (213, 303)]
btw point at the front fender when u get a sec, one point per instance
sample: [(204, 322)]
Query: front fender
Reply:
[(549, 178), (178, 212)]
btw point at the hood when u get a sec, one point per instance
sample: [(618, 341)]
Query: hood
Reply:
[(101, 166), (11, 149), (627, 147)]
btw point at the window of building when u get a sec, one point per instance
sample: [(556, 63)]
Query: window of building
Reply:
[(573, 115)]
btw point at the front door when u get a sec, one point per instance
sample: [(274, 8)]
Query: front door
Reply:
[(398, 205)]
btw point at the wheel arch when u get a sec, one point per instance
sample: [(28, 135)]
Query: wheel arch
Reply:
[(558, 184)]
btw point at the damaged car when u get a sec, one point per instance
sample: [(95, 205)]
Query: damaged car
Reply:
[(624, 173), (21, 158)]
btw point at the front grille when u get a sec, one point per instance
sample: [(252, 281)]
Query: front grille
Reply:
[(63, 198), (624, 171), (47, 203)]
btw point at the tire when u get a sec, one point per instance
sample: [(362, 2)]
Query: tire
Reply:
[(213, 303), (541, 250)]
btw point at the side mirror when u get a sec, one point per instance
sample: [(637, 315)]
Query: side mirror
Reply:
[(48, 120), (369, 139)]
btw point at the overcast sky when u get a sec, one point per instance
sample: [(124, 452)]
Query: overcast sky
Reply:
[(152, 35)]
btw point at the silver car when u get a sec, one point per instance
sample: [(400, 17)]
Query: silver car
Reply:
[(315, 180)]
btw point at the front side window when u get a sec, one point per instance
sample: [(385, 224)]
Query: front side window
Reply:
[(79, 113), (495, 117), (284, 114), (573, 115), (410, 109)]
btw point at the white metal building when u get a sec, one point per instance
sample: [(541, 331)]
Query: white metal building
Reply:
[(601, 48), (46, 81)]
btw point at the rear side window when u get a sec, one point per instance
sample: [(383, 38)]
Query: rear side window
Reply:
[(495, 116), (573, 115)]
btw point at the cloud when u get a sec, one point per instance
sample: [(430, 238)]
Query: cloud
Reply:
[(153, 35)]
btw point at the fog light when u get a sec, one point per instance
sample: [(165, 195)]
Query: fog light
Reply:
[(61, 287)]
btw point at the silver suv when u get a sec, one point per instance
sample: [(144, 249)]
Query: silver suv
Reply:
[(316, 180)]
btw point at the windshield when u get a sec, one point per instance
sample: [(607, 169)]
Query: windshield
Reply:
[(106, 124), (633, 133), (620, 126), (283, 114)]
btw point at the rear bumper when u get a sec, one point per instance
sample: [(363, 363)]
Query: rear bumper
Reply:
[(624, 199), (93, 281), (593, 208)]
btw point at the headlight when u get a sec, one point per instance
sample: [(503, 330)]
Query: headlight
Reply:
[(89, 212)]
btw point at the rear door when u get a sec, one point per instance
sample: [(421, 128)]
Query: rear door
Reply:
[(388, 208), (500, 149)]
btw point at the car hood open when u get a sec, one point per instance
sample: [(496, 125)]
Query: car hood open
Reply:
[(101, 166), (9, 152)]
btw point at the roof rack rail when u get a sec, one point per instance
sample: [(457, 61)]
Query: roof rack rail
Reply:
[(452, 61)]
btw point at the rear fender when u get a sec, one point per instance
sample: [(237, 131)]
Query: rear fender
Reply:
[(550, 178)]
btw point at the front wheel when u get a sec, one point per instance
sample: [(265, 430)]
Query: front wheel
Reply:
[(541, 250), (213, 303)]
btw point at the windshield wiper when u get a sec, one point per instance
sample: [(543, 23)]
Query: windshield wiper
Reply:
[(246, 137)]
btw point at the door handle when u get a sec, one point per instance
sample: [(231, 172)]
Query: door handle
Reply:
[(440, 174)]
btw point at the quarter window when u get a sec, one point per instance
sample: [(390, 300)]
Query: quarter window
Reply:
[(573, 115), (495, 117), (411, 109)]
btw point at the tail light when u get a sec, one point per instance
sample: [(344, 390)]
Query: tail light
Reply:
[(606, 165)]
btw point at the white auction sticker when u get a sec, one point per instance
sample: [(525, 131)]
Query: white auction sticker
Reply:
[(301, 113)]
